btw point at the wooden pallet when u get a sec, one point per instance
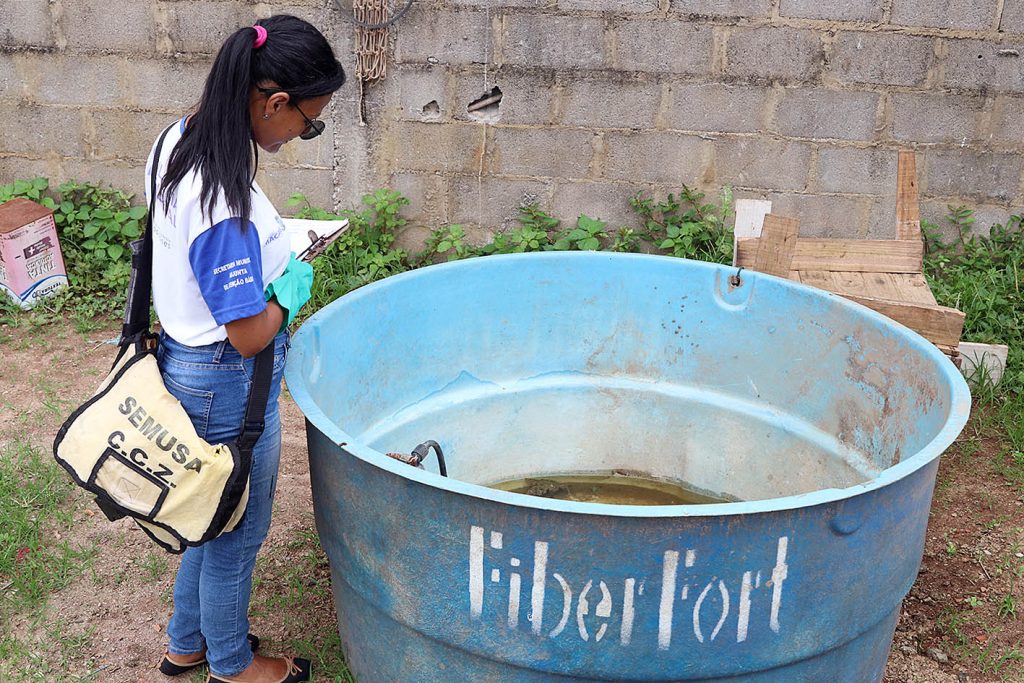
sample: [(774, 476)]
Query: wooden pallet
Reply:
[(885, 275)]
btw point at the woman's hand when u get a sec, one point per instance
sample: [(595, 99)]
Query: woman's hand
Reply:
[(292, 289)]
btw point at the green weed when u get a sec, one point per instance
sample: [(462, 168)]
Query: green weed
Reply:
[(155, 565), (52, 652), (992, 656), (981, 275), (448, 242), (326, 655), (687, 227), (588, 235), (537, 231), (97, 223), (33, 500), (305, 580), (999, 660), (952, 623), (1008, 607), (365, 253)]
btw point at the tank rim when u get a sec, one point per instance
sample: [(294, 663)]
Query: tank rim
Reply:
[(958, 415)]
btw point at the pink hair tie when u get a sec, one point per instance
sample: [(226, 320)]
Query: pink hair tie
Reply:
[(261, 37)]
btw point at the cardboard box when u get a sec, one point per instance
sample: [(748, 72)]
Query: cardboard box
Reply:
[(31, 265)]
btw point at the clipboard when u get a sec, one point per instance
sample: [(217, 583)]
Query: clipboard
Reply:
[(310, 238)]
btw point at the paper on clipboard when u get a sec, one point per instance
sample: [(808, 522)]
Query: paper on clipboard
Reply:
[(310, 238)]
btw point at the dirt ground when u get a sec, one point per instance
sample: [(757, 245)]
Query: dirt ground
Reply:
[(960, 622), (116, 612)]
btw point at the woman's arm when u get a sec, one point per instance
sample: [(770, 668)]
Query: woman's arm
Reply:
[(250, 335)]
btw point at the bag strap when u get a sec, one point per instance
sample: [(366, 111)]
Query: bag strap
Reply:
[(259, 394), (140, 287)]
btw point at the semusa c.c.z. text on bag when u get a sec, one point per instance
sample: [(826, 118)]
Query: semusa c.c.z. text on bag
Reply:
[(135, 448)]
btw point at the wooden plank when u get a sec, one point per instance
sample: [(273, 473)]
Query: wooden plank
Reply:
[(912, 288), (908, 208), (940, 325), (908, 287), (864, 256), (776, 246), (822, 279), (750, 215), (881, 286), (849, 283)]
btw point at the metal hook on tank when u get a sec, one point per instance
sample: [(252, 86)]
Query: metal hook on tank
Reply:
[(420, 453), (733, 292), (734, 280)]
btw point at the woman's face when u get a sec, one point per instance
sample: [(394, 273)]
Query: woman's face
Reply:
[(276, 120)]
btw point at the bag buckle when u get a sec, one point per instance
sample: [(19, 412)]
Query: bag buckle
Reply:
[(251, 432), (142, 341), (109, 510)]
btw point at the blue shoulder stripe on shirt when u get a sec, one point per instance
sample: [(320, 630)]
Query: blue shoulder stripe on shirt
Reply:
[(228, 266)]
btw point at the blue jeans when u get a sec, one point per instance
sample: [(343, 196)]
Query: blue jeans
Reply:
[(211, 593)]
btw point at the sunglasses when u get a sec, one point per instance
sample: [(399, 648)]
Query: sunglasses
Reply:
[(314, 127)]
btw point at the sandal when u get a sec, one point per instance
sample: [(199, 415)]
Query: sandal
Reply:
[(299, 670), (170, 668)]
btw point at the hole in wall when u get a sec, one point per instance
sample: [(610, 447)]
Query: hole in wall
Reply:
[(431, 111), (486, 108)]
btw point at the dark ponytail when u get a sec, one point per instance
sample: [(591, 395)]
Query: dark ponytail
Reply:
[(216, 143)]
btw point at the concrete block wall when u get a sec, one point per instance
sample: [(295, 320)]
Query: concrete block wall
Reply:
[(86, 87), (804, 103)]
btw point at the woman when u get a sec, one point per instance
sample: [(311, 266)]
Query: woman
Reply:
[(220, 252)]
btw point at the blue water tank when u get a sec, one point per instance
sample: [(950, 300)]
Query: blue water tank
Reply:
[(822, 418)]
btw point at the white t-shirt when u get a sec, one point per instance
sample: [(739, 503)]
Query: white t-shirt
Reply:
[(207, 270)]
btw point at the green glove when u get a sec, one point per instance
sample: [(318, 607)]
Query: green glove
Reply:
[(291, 289)]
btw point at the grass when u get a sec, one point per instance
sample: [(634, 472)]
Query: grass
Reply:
[(984, 648), (1002, 421), (998, 426), (1008, 607), (155, 565), (35, 499), (303, 579), (983, 627), (48, 655), (36, 504), (981, 274), (1000, 662)]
